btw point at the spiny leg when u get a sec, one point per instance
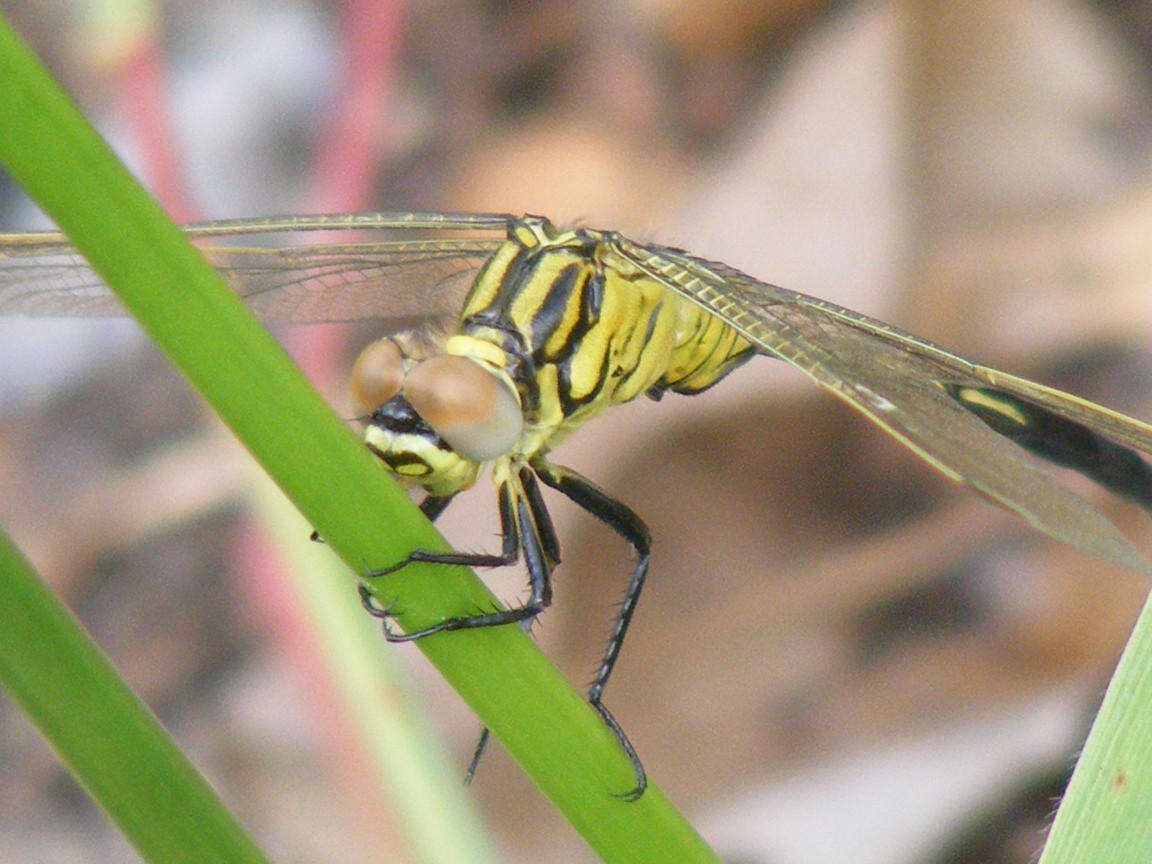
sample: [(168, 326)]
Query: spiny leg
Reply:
[(433, 505), (541, 549), (477, 752), (526, 526), (541, 518), (632, 529), (517, 524), (542, 552)]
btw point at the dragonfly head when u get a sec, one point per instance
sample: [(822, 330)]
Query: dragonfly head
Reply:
[(434, 421)]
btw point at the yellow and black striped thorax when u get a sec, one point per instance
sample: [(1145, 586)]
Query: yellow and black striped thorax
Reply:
[(579, 328)]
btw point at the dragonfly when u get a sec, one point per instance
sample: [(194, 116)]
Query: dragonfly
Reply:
[(500, 335)]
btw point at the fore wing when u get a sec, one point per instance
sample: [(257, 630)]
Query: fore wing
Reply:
[(402, 268), (906, 386)]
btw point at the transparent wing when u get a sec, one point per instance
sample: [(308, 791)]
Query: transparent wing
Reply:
[(906, 385), (399, 267)]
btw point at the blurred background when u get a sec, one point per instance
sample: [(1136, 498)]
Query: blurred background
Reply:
[(840, 655)]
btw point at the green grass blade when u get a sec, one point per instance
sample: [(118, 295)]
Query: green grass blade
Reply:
[(1106, 814), (544, 724), (106, 736)]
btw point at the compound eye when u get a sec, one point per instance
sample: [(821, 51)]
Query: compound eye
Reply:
[(377, 375), (473, 410)]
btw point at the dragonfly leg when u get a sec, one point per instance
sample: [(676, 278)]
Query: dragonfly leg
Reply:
[(632, 529), (433, 505), (526, 527), (477, 752), (518, 522), (542, 554)]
